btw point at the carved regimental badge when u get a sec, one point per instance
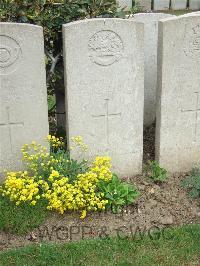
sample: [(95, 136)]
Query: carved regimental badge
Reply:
[(10, 53), (192, 42), (105, 47)]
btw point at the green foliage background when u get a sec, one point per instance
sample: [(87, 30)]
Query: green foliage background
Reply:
[(51, 14)]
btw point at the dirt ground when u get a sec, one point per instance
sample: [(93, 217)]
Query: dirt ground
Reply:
[(159, 206)]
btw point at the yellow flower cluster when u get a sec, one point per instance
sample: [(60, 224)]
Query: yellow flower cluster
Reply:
[(81, 194), (55, 142), (44, 180), (33, 153), (19, 187), (77, 142), (39, 158)]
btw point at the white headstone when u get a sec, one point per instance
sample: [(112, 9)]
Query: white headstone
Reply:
[(161, 4), (145, 5), (178, 115), (194, 4), (23, 95), (104, 77), (150, 21), (127, 4), (178, 4)]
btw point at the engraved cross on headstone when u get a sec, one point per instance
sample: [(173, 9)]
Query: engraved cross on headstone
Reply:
[(107, 115), (9, 124), (196, 112)]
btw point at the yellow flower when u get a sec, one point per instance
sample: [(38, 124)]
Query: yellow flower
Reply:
[(33, 202), (83, 214)]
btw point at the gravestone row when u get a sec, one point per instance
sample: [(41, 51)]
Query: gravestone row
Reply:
[(104, 81), (160, 5)]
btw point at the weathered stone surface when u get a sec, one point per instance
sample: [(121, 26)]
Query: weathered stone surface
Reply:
[(145, 4), (178, 120), (194, 4), (104, 77), (161, 4), (178, 4), (23, 96), (127, 4), (150, 21)]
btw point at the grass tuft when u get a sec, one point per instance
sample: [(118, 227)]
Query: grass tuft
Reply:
[(21, 219)]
